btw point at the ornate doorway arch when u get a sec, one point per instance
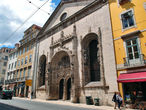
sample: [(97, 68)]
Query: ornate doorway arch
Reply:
[(60, 71)]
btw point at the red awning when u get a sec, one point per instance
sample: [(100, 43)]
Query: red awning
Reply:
[(132, 77)]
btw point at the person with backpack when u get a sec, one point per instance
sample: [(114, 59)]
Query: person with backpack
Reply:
[(114, 99)]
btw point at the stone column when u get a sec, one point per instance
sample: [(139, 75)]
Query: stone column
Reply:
[(65, 90), (74, 68)]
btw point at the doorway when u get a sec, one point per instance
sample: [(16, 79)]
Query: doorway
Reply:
[(68, 88), (61, 88)]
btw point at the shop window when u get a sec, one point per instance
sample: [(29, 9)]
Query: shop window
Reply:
[(127, 19)]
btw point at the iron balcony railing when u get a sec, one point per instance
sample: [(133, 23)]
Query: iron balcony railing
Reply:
[(135, 62)]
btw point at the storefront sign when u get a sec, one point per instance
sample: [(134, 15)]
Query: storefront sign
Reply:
[(28, 82)]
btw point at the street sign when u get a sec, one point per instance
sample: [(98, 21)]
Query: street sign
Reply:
[(28, 82)]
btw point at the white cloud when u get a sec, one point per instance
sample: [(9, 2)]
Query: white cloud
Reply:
[(7, 45), (15, 12)]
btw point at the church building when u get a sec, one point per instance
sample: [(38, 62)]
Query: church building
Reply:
[(75, 54)]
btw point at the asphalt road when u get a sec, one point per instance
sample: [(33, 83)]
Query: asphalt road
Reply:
[(19, 104)]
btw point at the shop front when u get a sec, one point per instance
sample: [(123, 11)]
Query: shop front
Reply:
[(134, 87)]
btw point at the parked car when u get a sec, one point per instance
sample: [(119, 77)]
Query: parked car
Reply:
[(6, 94)]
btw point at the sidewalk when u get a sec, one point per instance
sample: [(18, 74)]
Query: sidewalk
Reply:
[(71, 104)]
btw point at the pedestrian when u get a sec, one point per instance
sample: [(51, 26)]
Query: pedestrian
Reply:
[(119, 100), (31, 94), (114, 99), (133, 97)]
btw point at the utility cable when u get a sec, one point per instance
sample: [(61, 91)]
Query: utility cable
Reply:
[(23, 23), (38, 7)]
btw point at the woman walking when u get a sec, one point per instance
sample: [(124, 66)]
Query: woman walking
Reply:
[(120, 101)]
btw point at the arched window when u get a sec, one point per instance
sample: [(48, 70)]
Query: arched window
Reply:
[(42, 70), (94, 63)]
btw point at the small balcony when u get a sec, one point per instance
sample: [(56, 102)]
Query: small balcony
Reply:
[(132, 63)]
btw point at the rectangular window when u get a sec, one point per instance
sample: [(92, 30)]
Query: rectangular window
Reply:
[(18, 62), (20, 52), (27, 48), (9, 66), (16, 54), (15, 64), (24, 72), (132, 49), (5, 63), (30, 58), (3, 72), (12, 66), (20, 73), (29, 70), (23, 50), (32, 46), (26, 60), (17, 74), (127, 19), (6, 57), (22, 61)]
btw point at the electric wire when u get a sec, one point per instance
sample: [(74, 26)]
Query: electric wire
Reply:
[(23, 23), (37, 7)]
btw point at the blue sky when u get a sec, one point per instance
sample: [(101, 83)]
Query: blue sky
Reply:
[(14, 12)]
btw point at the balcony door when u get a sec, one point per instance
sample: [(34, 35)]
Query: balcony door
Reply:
[(133, 51)]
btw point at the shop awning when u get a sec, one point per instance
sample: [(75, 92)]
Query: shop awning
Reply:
[(132, 77)]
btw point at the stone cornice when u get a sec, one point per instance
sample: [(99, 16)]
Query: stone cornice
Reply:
[(72, 19)]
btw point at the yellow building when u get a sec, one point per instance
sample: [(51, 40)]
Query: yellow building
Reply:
[(128, 18), (25, 59)]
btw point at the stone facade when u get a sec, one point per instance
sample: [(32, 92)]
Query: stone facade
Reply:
[(76, 55)]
